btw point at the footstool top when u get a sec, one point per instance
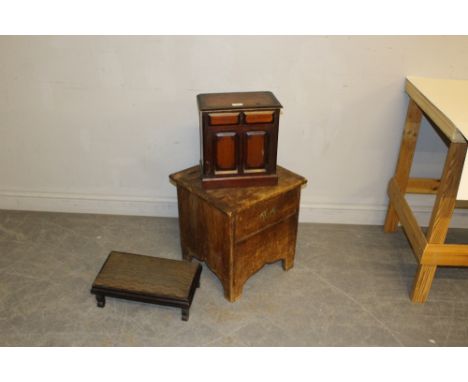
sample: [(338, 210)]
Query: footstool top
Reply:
[(147, 275)]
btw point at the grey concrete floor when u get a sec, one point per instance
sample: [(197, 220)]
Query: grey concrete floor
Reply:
[(349, 287)]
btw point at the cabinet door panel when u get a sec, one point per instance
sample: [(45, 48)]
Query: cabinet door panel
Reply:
[(255, 152), (226, 149)]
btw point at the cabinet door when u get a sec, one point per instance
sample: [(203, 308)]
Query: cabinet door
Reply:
[(255, 158), (226, 152)]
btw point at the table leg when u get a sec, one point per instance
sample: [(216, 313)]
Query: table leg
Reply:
[(422, 282), (405, 159), (440, 218)]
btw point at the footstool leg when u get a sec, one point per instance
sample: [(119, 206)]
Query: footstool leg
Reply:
[(185, 314), (101, 300)]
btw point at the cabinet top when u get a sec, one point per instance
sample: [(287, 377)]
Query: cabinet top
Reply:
[(240, 100)]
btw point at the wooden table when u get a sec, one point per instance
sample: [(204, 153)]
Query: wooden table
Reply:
[(445, 104), (236, 231), (147, 279)]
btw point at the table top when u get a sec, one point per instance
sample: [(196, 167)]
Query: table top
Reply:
[(146, 275), (445, 101), (231, 200)]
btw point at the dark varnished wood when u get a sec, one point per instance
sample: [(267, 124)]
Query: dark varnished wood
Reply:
[(100, 300), (256, 144), (244, 181), (237, 100), (223, 118), (226, 152), (239, 139), (237, 231), (148, 279), (258, 116)]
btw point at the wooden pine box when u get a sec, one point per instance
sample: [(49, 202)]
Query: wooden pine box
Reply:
[(237, 231)]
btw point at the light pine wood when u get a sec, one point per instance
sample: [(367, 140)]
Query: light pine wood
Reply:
[(438, 104), (405, 159), (444, 102), (422, 186), (422, 283), (455, 255), (462, 193), (447, 193), (410, 224), (441, 215)]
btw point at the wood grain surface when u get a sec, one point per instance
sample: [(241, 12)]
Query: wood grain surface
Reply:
[(446, 193), (444, 101), (147, 275), (237, 231), (244, 100), (408, 220), (236, 199), (238, 139), (405, 159), (444, 104)]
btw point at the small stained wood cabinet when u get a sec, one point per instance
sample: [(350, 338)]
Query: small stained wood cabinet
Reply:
[(238, 139)]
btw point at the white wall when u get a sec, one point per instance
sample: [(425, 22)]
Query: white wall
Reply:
[(96, 124)]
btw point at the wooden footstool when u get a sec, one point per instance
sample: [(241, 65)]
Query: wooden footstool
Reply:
[(147, 279)]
